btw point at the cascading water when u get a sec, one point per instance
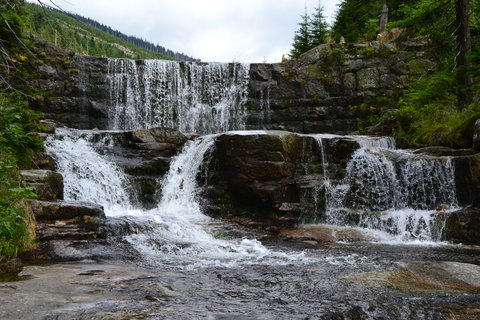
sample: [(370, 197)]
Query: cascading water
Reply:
[(390, 190), (197, 98), (176, 231), (87, 175)]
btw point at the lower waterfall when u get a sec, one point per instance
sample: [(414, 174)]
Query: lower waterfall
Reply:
[(176, 231), (394, 193)]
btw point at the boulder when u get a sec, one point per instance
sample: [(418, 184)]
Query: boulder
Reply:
[(48, 184), (273, 174), (82, 230), (65, 210), (157, 142), (463, 226), (324, 234), (49, 125)]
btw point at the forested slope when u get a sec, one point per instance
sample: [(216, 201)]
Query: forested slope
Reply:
[(85, 36)]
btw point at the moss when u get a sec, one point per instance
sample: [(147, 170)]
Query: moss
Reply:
[(291, 144), (372, 52), (331, 56), (73, 71)]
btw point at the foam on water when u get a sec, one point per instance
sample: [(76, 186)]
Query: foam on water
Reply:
[(87, 175)]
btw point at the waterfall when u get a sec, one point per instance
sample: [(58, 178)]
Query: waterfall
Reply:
[(176, 231), (389, 190), (89, 176), (191, 97)]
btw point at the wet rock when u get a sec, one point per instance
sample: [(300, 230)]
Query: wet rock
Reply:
[(83, 229), (436, 277), (48, 184), (159, 142), (259, 167), (65, 210), (467, 179), (440, 151), (463, 226), (49, 125), (323, 234), (268, 173)]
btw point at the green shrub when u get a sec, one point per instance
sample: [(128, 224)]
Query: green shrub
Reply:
[(429, 113), (14, 219), (18, 144), (18, 126)]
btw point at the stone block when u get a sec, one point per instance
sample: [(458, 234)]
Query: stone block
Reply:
[(368, 79), (48, 184), (65, 210)]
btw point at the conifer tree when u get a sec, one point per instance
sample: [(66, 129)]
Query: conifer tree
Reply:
[(301, 40), (318, 27)]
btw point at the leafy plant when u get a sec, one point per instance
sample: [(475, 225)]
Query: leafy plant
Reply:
[(429, 113), (14, 219), (18, 126)]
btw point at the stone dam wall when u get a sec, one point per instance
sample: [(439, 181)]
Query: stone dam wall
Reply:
[(319, 92)]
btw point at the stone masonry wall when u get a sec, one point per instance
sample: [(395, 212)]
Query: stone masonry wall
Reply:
[(316, 93)]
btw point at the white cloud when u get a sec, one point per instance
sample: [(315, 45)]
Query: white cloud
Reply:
[(212, 30)]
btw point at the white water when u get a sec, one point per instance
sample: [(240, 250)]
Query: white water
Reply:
[(388, 190), (87, 175), (197, 98), (177, 231)]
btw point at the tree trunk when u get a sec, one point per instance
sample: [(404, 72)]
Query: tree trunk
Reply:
[(464, 48), (384, 18)]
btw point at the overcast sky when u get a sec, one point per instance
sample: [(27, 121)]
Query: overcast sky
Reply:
[(211, 30)]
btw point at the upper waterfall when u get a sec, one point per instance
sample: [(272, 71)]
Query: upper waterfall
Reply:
[(197, 98)]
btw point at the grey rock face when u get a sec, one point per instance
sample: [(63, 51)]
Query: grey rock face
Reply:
[(463, 226), (65, 210), (48, 184), (266, 173), (368, 79)]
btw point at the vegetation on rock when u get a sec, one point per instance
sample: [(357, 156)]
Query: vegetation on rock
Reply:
[(440, 107), (18, 140)]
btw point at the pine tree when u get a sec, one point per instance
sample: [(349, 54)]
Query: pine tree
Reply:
[(301, 40), (318, 27)]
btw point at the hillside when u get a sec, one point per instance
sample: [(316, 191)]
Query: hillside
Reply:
[(87, 37)]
